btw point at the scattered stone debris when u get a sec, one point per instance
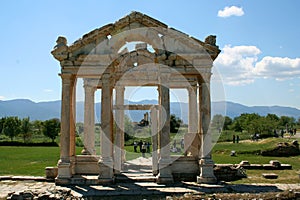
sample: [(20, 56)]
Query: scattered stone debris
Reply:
[(285, 195), (273, 165), (227, 172), (45, 195)]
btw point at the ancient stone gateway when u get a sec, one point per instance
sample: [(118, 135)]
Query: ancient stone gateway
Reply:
[(163, 57)]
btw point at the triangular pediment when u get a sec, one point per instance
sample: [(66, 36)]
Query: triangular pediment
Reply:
[(131, 21), (89, 42)]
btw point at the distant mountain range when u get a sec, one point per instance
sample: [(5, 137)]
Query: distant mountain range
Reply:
[(51, 109)]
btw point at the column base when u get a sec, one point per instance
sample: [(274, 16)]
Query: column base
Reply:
[(64, 173), (106, 172), (62, 181), (154, 163), (163, 179), (207, 171), (206, 180), (165, 172)]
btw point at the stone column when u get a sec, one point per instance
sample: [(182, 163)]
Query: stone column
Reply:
[(73, 126), (64, 164), (165, 173), (119, 153), (154, 132), (89, 119), (106, 174), (192, 139), (206, 163)]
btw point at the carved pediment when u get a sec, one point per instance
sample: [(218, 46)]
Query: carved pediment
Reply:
[(134, 27)]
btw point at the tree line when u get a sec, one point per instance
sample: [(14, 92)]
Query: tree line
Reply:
[(253, 123), (14, 126)]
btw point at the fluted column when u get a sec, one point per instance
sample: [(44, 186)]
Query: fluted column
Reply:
[(89, 119), (73, 126), (154, 133), (206, 163), (165, 173), (64, 164), (106, 147), (119, 153), (192, 140)]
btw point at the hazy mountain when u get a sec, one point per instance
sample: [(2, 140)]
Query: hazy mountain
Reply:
[(46, 110)]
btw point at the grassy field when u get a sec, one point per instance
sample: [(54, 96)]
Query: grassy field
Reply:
[(246, 150), (33, 160)]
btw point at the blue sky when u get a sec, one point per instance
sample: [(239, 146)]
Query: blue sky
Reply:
[(259, 63)]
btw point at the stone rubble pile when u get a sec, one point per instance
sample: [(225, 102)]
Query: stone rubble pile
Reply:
[(55, 194)]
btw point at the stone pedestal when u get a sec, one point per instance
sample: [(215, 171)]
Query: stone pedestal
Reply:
[(165, 172), (64, 173), (106, 173), (87, 164), (207, 172)]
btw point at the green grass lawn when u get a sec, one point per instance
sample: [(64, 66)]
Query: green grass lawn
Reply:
[(32, 161), (246, 150), (27, 160)]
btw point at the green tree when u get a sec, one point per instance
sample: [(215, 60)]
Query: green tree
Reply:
[(51, 128), (227, 123), (128, 128), (37, 127), (218, 122), (286, 122), (236, 125), (2, 121), (11, 127), (25, 129), (175, 123)]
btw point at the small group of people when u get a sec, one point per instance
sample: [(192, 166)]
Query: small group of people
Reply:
[(144, 147), (235, 139), (292, 131), (176, 149), (282, 132)]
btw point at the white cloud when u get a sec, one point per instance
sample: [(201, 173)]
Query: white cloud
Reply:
[(48, 90), (2, 97), (236, 64), (239, 65), (278, 68), (231, 11)]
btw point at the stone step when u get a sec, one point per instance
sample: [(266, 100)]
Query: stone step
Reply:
[(135, 177)]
